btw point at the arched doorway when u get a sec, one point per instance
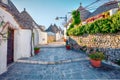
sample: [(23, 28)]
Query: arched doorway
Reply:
[(10, 46)]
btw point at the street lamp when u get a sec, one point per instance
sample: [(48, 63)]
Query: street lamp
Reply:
[(65, 18)]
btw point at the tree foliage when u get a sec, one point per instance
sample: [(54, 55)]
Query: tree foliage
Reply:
[(75, 21), (105, 25), (76, 17)]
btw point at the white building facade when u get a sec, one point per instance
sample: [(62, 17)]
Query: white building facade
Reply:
[(17, 44)]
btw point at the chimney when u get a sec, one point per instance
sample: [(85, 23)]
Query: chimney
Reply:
[(80, 4), (24, 9)]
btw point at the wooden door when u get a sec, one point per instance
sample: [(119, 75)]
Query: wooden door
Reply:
[(10, 47)]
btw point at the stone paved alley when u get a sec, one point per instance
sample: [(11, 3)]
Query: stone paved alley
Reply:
[(79, 68), (87, 26)]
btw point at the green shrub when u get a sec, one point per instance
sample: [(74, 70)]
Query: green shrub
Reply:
[(97, 56), (107, 25), (71, 26), (117, 62), (36, 48), (76, 17)]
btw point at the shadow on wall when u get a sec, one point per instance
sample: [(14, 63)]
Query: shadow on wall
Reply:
[(110, 53)]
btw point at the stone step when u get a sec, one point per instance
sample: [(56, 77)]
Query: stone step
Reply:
[(53, 62)]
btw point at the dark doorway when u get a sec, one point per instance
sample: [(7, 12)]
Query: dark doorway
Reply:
[(10, 47)]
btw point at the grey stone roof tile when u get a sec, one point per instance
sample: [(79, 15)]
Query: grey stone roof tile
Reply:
[(105, 7), (83, 13)]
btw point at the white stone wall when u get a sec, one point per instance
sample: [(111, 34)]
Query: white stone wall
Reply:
[(5, 1), (3, 56), (7, 17), (65, 31), (113, 11), (22, 46), (65, 36), (42, 37), (58, 36), (36, 36)]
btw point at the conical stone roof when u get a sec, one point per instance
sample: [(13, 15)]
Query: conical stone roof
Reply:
[(83, 12)]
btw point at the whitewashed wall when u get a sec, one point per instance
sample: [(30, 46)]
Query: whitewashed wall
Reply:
[(36, 36), (7, 17), (42, 37), (3, 57), (65, 31), (65, 36), (5, 1), (57, 36), (113, 11), (22, 46)]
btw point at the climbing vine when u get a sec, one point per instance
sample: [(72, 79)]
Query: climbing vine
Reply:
[(76, 20), (76, 17), (3, 31)]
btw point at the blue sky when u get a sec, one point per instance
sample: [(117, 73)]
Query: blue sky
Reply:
[(44, 12)]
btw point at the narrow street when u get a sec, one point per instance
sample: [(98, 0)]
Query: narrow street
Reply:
[(59, 39), (57, 63)]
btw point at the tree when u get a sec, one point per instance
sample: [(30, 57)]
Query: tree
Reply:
[(76, 17)]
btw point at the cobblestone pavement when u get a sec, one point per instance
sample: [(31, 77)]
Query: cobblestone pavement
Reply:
[(71, 70), (58, 43), (56, 54), (74, 70)]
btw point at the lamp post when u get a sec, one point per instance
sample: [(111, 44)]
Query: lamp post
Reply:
[(65, 18), (65, 30)]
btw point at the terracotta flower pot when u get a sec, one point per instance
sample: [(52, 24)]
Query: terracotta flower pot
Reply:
[(37, 51), (65, 40), (68, 47), (95, 63)]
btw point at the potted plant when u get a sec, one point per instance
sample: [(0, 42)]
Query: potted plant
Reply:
[(68, 46), (96, 58), (65, 40), (36, 50)]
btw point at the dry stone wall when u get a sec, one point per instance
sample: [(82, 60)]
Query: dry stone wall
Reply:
[(107, 43)]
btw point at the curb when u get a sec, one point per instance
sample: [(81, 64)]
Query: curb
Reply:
[(110, 64), (52, 63), (52, 47)]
